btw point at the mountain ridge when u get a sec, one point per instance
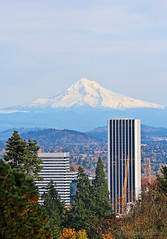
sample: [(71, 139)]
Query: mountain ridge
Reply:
[(57, 136)]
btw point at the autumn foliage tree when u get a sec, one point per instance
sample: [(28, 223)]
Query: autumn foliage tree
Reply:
[(148, 219), (70, 233)]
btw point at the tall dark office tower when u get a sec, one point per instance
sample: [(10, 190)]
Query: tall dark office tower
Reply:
[(124, 162)]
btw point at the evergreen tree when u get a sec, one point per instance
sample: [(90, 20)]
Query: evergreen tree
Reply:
[(23, 155), (81, 212), (55, 209), (100, 205), (32, 165), (162, 181), (15, 148), (20, 214), (100, 194)]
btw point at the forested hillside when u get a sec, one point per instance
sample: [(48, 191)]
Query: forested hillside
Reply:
[(54, 137)]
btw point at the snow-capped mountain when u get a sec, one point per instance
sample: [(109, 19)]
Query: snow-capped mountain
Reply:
[(83, 106), (89, 93)]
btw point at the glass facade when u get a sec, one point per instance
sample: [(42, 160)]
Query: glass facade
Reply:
[(123, 146)]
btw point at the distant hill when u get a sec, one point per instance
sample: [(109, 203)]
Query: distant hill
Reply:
[(148, 133), (152, 133), (54, 137), (4, 135), (99, 133)]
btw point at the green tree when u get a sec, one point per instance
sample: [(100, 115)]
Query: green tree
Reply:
[(100, 204), (55, 209), (100, 194), (81, 212), (20, 214), (15, 148), (23, 155), (162, 181)]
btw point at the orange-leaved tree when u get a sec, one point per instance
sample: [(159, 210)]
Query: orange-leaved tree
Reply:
[(70, 233), (148, 219)]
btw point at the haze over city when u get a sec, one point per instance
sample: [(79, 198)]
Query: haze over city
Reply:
[(46, 46)]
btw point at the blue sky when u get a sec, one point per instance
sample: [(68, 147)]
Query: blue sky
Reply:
[(47, 45)]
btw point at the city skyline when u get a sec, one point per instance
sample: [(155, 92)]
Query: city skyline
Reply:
[(46, 46)]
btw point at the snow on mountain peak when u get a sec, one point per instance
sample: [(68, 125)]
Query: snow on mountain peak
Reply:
[(90, 93), (84, 85), (80, 93)]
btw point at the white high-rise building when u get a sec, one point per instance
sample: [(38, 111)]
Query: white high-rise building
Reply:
[(56, 167), (124, 162)]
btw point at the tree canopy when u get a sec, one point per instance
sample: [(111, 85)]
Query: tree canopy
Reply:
[(162, 181), (91, 210), (81, 213), (55, 209), (100, 194), (20, 214), (23, 155)]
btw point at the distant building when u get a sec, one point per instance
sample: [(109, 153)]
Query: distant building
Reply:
[(56, 167), (124, 162)]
